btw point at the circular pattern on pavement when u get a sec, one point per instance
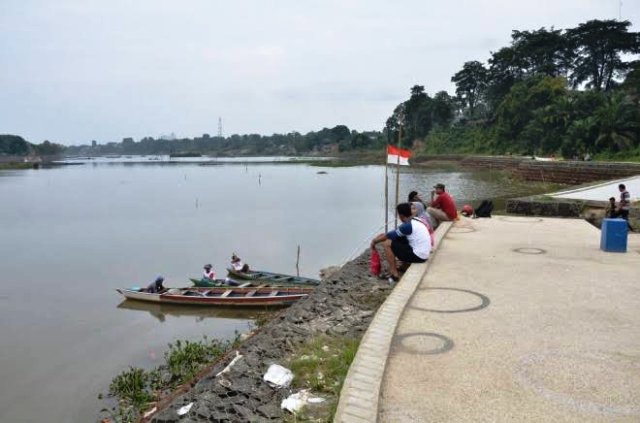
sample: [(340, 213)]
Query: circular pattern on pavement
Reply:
[(529, 250), (423, 343), (463, 303), (588, 382)]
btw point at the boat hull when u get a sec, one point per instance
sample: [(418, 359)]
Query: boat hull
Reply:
[(273, 278), (248, 297)]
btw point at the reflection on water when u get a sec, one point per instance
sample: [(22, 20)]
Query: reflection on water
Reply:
[(161, 311), (71, 235)]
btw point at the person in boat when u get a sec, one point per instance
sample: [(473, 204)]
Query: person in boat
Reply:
[(410, 243), (156, 286), (238, 265), (442, 207), (209, 273)]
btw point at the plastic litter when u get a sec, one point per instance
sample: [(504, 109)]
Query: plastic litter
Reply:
[(150, 413), (278, 376), (184, 410), (226, 369), (294, 402)]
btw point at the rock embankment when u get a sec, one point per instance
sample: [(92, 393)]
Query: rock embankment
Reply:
[(343, 305)]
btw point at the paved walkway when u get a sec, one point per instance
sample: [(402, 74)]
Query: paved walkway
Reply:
[(523, 320), (602, 191)]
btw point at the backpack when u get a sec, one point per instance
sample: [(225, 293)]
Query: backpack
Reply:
[(484, 209)]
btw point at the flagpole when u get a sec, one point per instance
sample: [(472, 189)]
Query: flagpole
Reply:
[(386, 190), (398, 177)]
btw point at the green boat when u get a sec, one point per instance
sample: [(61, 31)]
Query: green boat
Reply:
[(215, 283), (272, 278)]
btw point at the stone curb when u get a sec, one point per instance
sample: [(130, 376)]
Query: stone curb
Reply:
[(361, 390)]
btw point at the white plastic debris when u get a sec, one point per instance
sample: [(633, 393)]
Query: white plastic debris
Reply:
[(149, 413), (278, 376), (184, 410), (226, 369), (294, 402)]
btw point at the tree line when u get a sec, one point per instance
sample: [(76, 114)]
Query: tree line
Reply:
[(326, 141), (14, 145), (565, 92), (550, 92)]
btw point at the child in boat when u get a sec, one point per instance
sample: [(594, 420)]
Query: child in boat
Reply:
[(238, 265), (209, 272)]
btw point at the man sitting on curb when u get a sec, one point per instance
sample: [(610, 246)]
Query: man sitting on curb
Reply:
[(410, 243), (443, 208)]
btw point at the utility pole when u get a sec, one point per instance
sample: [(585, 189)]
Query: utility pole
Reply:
[(219, 127), (620, 11)]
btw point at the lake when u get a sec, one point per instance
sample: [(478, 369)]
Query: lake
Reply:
[(71, 235)]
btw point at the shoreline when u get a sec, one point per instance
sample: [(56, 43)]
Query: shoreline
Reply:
[(343, 305)]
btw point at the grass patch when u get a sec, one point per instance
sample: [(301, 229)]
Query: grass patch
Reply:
[(4, 166), (321, 365), (136, 389)]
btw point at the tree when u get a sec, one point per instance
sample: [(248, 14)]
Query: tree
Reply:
[(471, 83), (442, 109), (49, 149), (14, 145), (619, 122), (520, 122), (598, 47), (541, 52)]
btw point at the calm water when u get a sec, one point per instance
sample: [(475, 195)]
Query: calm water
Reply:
[(70, 235)]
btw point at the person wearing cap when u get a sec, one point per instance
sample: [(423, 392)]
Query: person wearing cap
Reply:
[(209, 272), (442, 207), (155, 287), (238, 265)]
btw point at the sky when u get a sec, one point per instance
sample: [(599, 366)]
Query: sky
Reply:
[(73, 71)]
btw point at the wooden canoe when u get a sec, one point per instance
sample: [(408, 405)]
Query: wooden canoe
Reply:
[(272, 278), (230, 296)]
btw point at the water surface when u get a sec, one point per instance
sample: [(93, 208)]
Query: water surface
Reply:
[(70, 235)]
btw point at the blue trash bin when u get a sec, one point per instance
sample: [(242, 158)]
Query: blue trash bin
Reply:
[(613, 237)]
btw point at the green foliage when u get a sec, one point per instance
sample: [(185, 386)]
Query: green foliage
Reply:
[(49, 149), (321, 364), (132, 386), (471, 83), (325, 141), (14, 145), (185, 358), (597, 47), (527, 101), (521, 122), (136, 388)]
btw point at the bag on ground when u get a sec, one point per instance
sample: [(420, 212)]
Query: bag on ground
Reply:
[(484, 209), (375, 265)]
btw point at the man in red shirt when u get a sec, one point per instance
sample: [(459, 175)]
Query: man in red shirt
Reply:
[(443, 208)]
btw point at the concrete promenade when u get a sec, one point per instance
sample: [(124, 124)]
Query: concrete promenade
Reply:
[(513, 320)]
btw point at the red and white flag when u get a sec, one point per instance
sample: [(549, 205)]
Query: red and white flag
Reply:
[(393, 153)]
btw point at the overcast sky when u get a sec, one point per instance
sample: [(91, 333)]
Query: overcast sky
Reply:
[(76, 70)]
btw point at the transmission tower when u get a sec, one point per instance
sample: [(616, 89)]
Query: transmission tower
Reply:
[(220, 127)]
